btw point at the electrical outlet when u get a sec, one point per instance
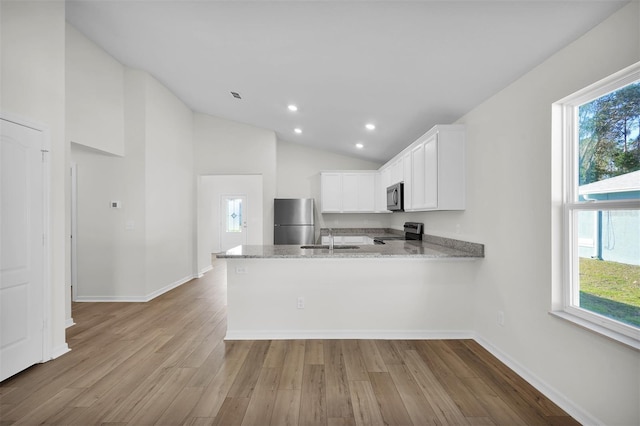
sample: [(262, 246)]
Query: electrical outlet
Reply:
[(500, 318), (241, 270), (300, 302)]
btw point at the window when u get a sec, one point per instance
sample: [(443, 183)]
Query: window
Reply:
[(599, 128), (234, 214)]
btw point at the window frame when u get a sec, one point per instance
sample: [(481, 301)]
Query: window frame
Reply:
[(566, 132)]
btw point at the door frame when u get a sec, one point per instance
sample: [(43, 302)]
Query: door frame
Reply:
[(46, 226), (223, 217), (73, 238)]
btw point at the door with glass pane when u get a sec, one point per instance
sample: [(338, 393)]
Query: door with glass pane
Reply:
[(233, 209)]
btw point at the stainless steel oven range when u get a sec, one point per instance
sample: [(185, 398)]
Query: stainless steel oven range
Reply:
[(412, 231)]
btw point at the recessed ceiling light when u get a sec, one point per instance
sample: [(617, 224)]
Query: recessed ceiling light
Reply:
[(297, 130), (370, 126), (359, 146), (292, 108)]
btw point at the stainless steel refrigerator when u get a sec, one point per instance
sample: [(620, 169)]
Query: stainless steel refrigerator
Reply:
[(293, 221)]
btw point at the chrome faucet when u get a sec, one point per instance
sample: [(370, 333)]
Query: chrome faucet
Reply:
[(330, 239)]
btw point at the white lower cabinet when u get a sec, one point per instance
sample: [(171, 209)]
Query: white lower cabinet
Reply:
[(348, 240)]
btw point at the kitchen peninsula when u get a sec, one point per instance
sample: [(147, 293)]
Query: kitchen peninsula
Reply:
[(397, 290)]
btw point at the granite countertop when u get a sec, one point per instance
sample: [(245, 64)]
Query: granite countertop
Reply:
[(432, 247)]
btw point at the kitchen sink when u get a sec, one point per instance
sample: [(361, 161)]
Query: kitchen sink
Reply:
[(326, 247)]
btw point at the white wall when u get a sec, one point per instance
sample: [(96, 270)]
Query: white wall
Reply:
[(170, 188), (298, 176), (224, 147), (32, 64), (110, 257), (299, 167), (148, 245), (95, 96), (509, 209)]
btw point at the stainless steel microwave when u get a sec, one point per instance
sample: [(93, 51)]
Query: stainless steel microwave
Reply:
[(395, 195)]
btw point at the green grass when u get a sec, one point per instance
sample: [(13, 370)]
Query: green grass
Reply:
[(611, 289)]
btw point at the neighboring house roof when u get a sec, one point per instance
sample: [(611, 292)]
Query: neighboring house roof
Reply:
[(623, 183)]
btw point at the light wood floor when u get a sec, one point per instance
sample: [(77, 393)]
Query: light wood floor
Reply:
[(165, 362)]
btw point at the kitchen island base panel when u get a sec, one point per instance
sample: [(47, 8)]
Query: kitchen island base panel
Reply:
[(347, 298)]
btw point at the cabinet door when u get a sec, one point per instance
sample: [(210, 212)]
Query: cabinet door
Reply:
[(431, 173), (331, 192), (366, 192), (383, 180), (408, 182), (417, 178), (397, 172), (350, 192)]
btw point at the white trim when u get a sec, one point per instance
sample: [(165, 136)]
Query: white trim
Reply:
[(605, 205), (573, 409), (565, 132), (74, 230), (47, 350), (59, 351), (204, 271), (25, 121), (69, 323), (347, 334), (47, 334), (133, 299), (137, 299), (603, 330), (170, 287), (607, 85)]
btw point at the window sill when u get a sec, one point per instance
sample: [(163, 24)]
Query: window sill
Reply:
[(621, 338)]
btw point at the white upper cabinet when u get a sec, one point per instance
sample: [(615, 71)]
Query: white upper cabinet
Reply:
[(432, 169), (431, 179), (438, 170), (366, 192), (331, 192), (383, 180), (348, 192), (408, 181), (424, 191), (397, 171)]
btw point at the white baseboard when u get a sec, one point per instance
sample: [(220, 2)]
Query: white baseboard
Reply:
[(204, 271), (59, 351), (346, 334), (111, 299), (69, 322), (137, 299), (574, 410), (169, 287)]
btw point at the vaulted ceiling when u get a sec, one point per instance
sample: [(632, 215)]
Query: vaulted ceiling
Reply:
[(402, 66)]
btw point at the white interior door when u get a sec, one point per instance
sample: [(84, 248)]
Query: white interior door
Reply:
[(22, 237), (233, 226)]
